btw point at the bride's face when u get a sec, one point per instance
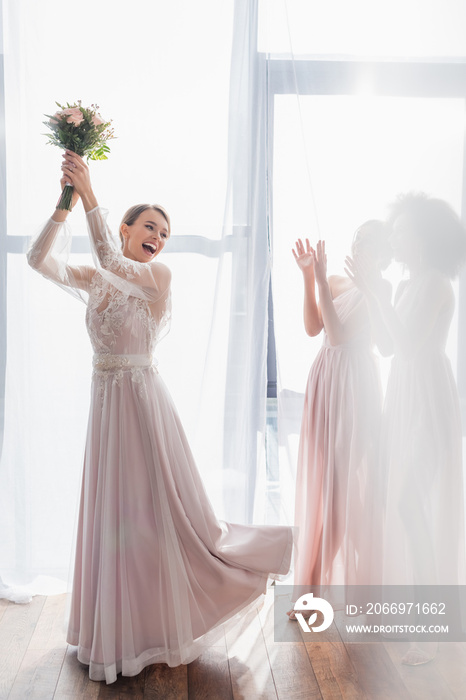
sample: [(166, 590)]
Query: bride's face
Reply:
[(146, 238)]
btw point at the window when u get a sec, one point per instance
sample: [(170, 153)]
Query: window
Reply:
[(345, 136)]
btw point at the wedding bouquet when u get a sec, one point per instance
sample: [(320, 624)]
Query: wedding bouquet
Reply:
[(82, 130)]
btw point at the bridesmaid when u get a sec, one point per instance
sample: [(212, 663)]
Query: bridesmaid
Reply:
[(335, 503), (421, 441)]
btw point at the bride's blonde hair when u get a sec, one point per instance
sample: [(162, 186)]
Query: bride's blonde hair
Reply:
[(135, 212)]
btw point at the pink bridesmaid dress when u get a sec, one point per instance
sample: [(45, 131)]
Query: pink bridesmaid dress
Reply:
[(338, 507), (157, 577)]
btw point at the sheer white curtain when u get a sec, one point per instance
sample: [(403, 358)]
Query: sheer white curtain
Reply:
[(273, 126), (240, 332), (365, 102), (188, 108)]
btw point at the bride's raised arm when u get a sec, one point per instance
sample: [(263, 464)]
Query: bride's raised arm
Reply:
[(150, 280), (49, 253)]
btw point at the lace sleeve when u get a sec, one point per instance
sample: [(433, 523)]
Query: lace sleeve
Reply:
[(149, 281), (49, 254)]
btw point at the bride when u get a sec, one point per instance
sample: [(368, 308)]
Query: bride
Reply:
[(156, 575)]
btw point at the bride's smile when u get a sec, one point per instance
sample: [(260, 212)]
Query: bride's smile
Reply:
[(146, 237)]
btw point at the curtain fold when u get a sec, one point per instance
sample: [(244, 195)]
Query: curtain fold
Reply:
[(250, 140), (246, 221), (215, 357), (355, 116), (189, 121)]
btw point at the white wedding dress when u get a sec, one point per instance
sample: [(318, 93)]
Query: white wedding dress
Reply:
[(156, 576)]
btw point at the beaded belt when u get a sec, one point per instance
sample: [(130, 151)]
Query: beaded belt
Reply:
[(107, 363)]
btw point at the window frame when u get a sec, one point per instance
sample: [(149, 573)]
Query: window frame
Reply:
[(325, 76), (437, 79)]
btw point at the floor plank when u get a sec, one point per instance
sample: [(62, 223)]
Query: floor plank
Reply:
[(16, 629), (291, 667), (250, 672), (38, 674), (450, 662), (74, 682), (335, 674), (209, 676), (3, 606), (50, 629), (124, 688), (377, 674), (40, 668), (165, 682), (334, 671), (246, 664), (423, 681)]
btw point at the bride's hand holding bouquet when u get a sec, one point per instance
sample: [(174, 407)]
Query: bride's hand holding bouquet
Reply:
[(76, 174), (81, 131), (75, 180)]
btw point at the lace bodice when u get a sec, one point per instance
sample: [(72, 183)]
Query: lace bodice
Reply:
[(119, 323), (128, 303)]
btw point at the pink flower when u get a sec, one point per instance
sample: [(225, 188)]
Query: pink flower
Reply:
[(56, 117), (97, 120), (75, 116)]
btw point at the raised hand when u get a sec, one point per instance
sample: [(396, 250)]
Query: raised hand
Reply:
[(320, 263), (76, 173), (304, 256), (75, 198)]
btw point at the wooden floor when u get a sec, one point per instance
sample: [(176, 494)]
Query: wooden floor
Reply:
[(37, 664)]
